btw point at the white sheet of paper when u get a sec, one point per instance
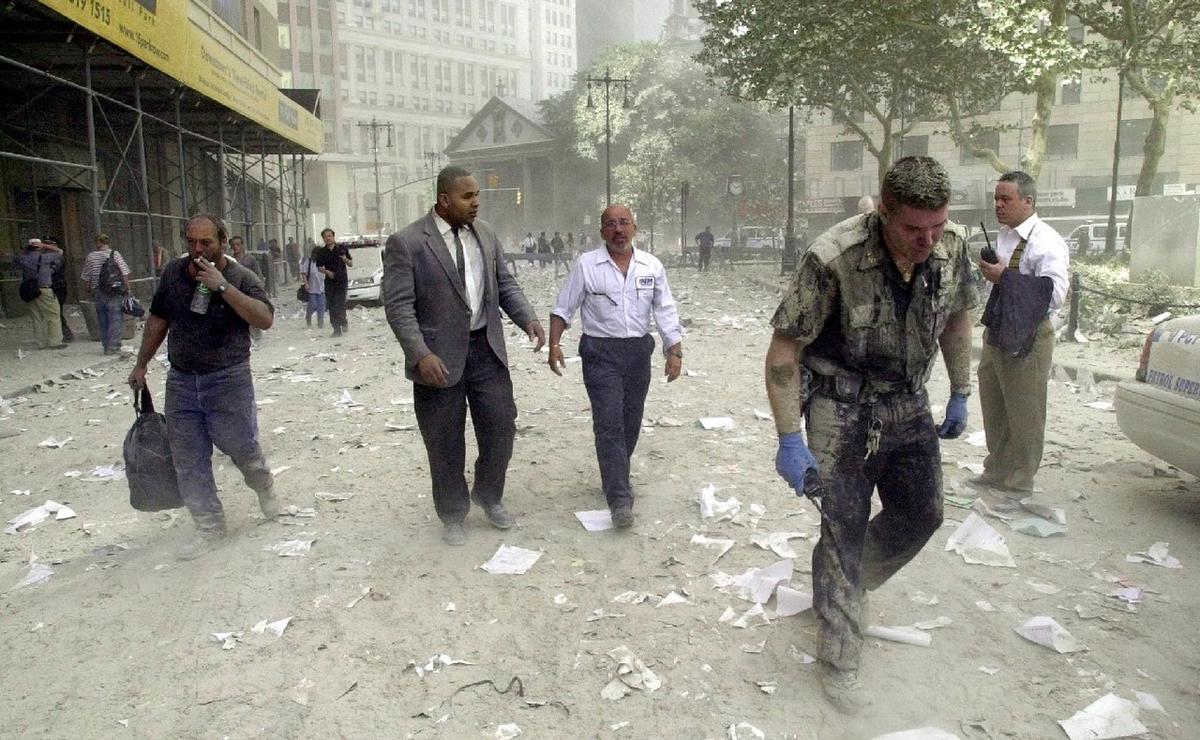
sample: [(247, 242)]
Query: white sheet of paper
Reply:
[(710, 507), (511, 561), (974, 467), (1156, 554), (1109, 716), (716, 423), (758, 584), (920, 733), (753, 617), (777, 542), (978, 543), (721, 546), (1048, 633), (275, 628), (670, 599), (977, 439), (789, 601), (595, 521), (906, 635), (291, 548), (54, 443)]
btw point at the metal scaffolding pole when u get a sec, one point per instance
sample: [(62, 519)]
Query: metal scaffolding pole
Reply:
[(141, 139), (262, 186), (304, 196), (91, 135), (245, 199), (183, 197), (281, 201), (221, 171)]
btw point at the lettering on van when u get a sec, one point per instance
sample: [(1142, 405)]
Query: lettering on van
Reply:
[(1189, 387)]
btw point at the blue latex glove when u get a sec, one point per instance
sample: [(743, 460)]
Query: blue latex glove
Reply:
[(956, 417), (793, 460)]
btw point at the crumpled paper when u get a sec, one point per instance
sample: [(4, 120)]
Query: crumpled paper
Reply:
[(1109, 716), (38, 514), (631, 675), (979, 544), (1048, 633), (1156, 554), (435, 664), (710, 507)]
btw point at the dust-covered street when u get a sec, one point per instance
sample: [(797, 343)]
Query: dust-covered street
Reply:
[(393, 634)]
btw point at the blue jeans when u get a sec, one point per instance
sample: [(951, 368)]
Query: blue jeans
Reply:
[(616, 373), (213, 409), (110, 320), (316, 304)]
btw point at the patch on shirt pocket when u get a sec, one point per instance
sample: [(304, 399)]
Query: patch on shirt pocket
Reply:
[(645, 281), (864, 316)]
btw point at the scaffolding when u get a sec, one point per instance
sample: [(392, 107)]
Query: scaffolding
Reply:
[(96, 141)]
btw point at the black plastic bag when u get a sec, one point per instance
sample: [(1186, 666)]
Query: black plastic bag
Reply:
[(29, 289), (149, 467)]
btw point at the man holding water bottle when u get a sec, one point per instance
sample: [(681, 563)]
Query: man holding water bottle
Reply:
[(874, 298), (204, 307)]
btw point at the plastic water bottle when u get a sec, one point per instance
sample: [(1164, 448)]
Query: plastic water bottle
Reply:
[(201, 298)]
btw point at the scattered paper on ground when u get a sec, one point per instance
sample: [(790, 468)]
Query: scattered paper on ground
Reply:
[(921, 733), (721, 546), (745, 730), (595, 521), (979, 544), (1109, 716), (35, 516), (716, 423), (1048, 633), (906, 635), (710, 507), (1156, 554), (54, 442), (275, 628), (291, 548), (777, 542), (789, 601), (511, 561), (631, 675), (435, 664)]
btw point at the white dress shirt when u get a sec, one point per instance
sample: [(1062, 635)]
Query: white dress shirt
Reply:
[(619, 306), (1045, 254), (474, 269)]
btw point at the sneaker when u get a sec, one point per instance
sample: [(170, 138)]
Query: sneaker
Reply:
[(337, 332), (268, 503), (622, 517), (844, 691), (454, 534), (985, 481), (495, 513)]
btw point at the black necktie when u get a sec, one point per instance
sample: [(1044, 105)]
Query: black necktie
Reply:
[(458, 255)]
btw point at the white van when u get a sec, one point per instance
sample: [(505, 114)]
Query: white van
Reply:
[(1094, 234), (366, 274)]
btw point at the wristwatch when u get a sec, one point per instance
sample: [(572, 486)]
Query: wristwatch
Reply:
[(221, 288)]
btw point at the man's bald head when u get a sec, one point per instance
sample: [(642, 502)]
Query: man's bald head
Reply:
[(617, 227)]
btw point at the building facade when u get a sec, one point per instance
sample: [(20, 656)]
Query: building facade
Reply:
[(1076, 171), (399, 79)]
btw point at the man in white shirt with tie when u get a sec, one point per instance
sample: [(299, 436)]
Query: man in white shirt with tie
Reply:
[(1012, 390), (617, 289)]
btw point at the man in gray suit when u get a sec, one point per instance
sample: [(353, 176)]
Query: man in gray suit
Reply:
[(444, 284)]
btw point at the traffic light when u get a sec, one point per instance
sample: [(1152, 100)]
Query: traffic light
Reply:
[(519, 196), (493, 180)]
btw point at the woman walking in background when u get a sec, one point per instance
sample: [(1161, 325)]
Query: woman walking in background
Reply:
[(314, 283)]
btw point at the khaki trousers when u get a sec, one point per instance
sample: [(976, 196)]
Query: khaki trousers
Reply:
[(1012, 392), (47, 322)]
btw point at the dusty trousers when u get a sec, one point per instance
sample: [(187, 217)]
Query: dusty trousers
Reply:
[(1012, 393), (853, 553)]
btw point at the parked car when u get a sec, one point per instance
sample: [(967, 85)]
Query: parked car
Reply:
[(366, 274), (1159, 411), (1091, 236)]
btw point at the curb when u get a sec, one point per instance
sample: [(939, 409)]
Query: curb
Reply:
[(976, 343)]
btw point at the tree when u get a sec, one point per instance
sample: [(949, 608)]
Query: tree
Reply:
[(894, 64), (647, 180), (1155, 45)]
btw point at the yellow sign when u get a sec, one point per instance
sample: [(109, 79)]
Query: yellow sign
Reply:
[(159, 33)]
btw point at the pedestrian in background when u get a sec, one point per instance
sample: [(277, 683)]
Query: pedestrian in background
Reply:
[(314, 282), (39, 262), (335, 258), (105, 277)]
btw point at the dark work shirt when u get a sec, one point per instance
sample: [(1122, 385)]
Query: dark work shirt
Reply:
[(705, 239), (206, 343), (331, 259)]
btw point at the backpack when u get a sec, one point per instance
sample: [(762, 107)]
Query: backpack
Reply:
[(110, 282), (149, 467)]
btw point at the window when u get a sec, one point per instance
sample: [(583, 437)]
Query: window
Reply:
[(986, 140), (1133, 136), (1062, 141), (1070, 93), (913, 146), (846, 155), (360, 64), (372, 70)]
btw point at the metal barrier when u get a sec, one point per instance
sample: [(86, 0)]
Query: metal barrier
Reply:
[(1077, 288)]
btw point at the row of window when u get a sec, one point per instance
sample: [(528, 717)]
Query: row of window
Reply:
[(1062, 142), (425, 73), (475, 15), (408, 140)]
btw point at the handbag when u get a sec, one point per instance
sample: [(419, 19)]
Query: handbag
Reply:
[(302, 294), (132, 307), (149, 466)]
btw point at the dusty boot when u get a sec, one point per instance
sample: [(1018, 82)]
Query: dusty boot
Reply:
[(268, 503), (844, 691), (210, 530)]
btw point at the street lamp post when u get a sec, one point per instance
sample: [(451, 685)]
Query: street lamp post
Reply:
[(374, 127), (608, 81)]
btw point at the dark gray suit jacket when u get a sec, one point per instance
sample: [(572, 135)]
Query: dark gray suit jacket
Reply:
[(426, 302)]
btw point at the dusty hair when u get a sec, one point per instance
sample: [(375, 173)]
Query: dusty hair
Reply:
[(218, 224), (1026, 185), (917, 182), (447, 177), (102, 238)]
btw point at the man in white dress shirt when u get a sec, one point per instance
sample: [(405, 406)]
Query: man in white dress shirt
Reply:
[(1012, 390), (617, 289)]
